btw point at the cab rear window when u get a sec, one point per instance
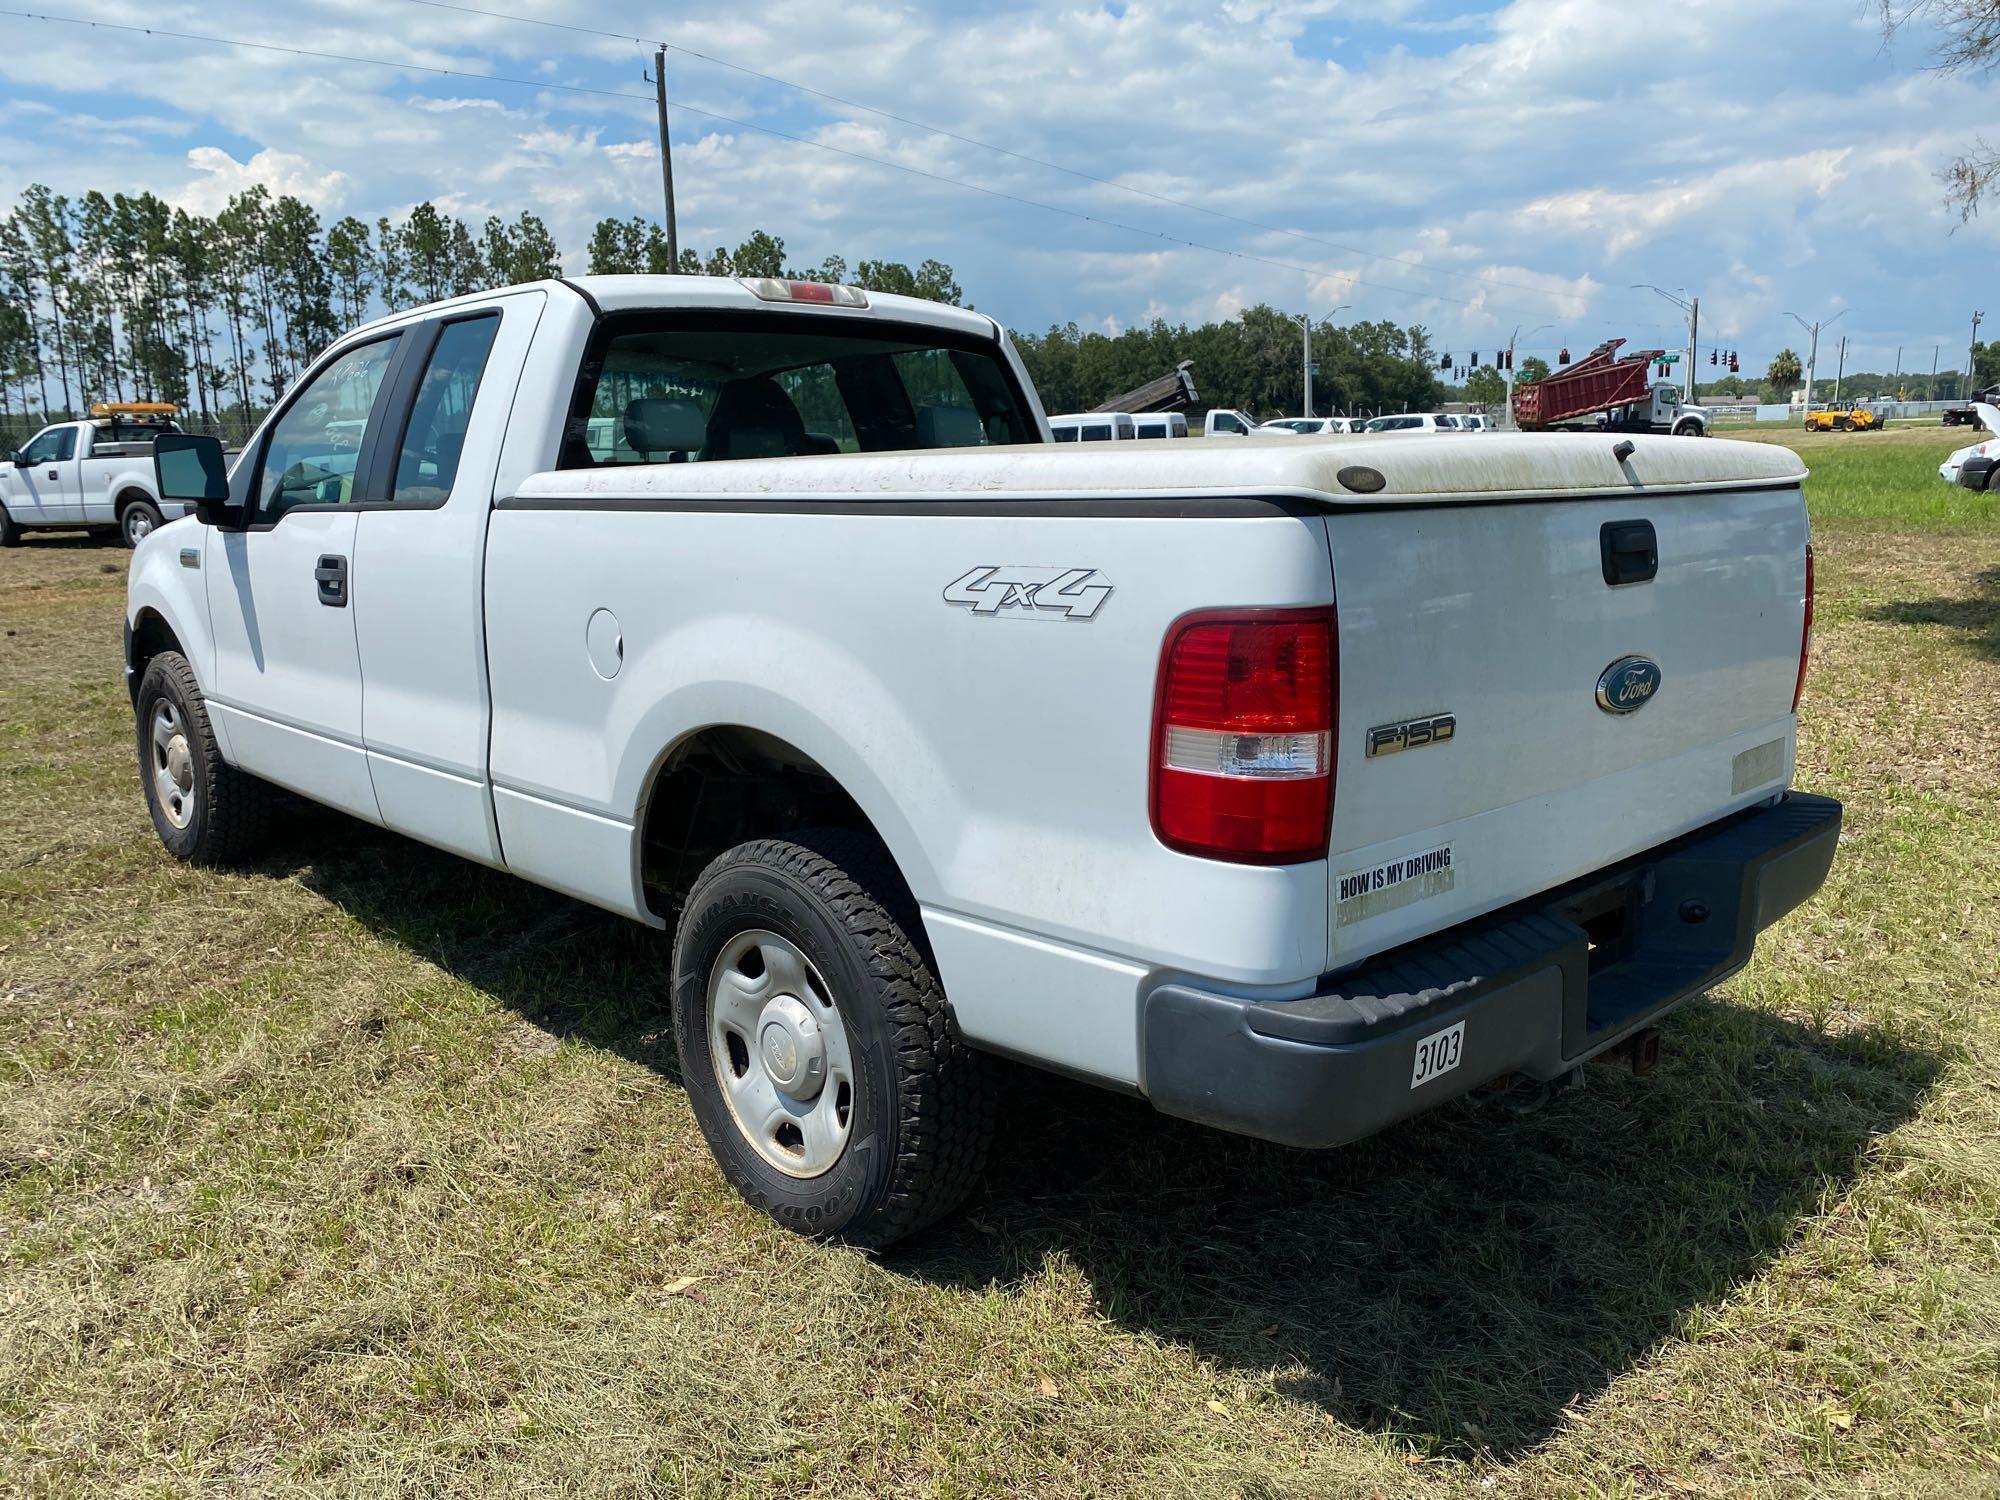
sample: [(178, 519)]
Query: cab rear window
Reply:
[(681, 388)]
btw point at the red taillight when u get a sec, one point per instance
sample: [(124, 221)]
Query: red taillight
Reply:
[(1805, 633), (1243, 735)]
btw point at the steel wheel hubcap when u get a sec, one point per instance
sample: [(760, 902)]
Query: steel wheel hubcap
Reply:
[(173, 765), (137, 524), (780, 1053)]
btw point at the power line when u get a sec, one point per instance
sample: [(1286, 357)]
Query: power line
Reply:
[(573, 88), (953, 135)]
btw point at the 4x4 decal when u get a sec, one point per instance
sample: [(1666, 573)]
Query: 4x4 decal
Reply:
[(1037, 592)]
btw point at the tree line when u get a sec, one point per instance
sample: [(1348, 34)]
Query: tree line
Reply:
[(128, 297), (1253, 362)]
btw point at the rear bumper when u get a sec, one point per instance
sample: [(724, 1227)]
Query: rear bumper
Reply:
[(1538, 987)]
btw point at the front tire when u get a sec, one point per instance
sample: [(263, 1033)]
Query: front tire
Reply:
[(205, 811), (820, 1057), (10, 534), (139, 520)]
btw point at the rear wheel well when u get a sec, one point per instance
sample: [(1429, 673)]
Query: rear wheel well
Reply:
[(725, 786), (150, 636), (129, 498)]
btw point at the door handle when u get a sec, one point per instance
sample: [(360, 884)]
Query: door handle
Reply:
[(55, 473), (331, 575)]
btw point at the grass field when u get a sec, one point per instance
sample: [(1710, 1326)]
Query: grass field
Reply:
[(366, 1171)]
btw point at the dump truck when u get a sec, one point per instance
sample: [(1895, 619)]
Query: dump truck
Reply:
[(1616, 392)]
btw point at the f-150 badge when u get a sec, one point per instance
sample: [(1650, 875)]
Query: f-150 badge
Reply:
[(1038, 593)]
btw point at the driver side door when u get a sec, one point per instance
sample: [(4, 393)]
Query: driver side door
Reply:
[(287, 684), (40, 481)]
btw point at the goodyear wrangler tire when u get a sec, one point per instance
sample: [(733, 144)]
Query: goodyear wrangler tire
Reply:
[(205, 810), (819, 1055)]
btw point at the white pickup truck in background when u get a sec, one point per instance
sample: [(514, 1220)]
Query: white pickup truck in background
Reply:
[(92, 473), (1297, 787)]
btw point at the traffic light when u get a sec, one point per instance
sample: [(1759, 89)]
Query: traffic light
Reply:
[(1444, 361), (1711, 356), (1563, 358)]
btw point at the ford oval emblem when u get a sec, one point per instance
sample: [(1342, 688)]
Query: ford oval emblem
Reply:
[(1628, 684)]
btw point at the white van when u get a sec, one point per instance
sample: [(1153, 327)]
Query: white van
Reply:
[(1160, 424), (1092, 427)]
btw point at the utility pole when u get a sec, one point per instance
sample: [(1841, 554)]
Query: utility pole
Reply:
[(1930, 391), (1694, 324), (1305, 322), (666, 158), (1840, 370), (1898, 376), (1965, 393), (1812, 356)]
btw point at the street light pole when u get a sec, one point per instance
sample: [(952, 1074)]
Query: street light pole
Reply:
[(1693, 309), (1509, 362), (1812, 354), (1965, 394)]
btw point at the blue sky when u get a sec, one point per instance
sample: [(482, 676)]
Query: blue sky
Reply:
[(1472, 168)]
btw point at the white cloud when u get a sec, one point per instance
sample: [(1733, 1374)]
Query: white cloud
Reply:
[(221, 177), (1469, 171)]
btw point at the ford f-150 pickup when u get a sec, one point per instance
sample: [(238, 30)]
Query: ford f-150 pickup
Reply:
[(1297, 787), (93, 473)]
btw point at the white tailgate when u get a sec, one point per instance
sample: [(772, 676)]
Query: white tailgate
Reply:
[(1500, 616)]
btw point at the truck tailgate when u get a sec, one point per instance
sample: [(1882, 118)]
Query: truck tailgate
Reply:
[(1501, 617)]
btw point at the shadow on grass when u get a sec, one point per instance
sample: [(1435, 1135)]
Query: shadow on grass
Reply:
[(76, 539), (1978, 614), (1460, 1280)]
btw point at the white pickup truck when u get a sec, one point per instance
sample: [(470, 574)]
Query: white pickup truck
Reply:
[(1297, 787), (97, 472)]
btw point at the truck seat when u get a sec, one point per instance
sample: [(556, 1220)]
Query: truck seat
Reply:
[(754, 418)]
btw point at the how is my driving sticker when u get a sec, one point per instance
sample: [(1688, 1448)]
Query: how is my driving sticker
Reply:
[(1361, 894)]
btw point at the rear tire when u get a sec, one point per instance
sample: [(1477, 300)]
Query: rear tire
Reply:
[(139, 520), (818, 1052), (205, 811)]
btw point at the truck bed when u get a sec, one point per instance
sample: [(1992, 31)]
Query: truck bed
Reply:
[(1467, 579)]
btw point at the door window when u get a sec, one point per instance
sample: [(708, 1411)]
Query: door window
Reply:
[(310, 456), (51, 446), (427, 462)]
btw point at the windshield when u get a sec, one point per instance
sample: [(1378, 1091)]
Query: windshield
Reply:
[(683, 388)]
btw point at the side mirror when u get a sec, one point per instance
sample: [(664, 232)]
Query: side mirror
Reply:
[(18, 459), (191, 468)]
